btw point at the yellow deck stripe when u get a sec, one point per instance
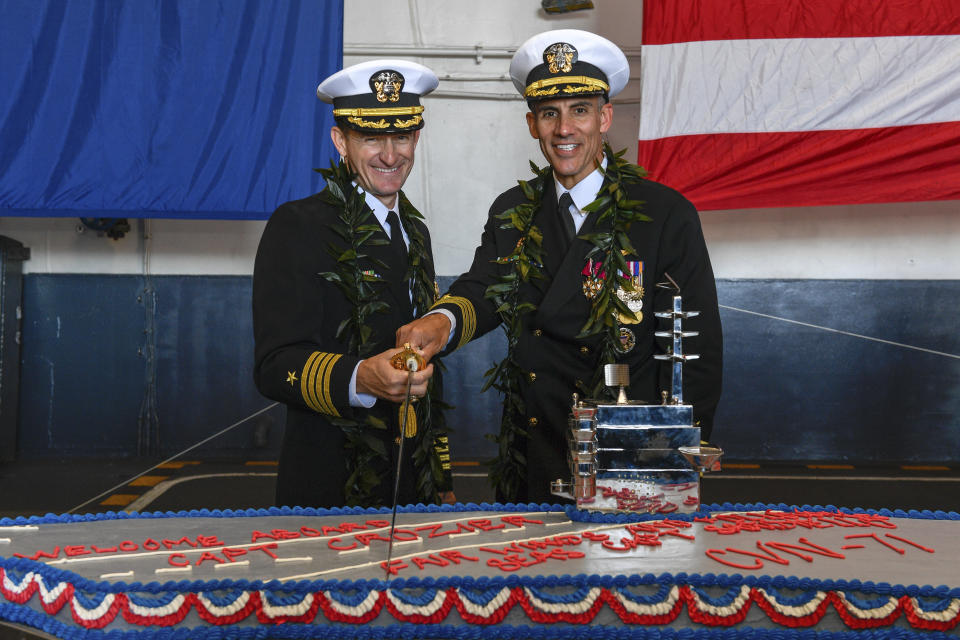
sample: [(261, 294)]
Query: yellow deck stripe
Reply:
[(177, 465), (147, 481)]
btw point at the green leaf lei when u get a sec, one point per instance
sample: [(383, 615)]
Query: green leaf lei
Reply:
[(507, 469), (610, 243), (358, 228)]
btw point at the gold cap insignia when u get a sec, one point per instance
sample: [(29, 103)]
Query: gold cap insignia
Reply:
[(387, 85), (560, 57)]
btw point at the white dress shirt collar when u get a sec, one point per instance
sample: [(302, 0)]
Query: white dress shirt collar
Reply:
[(583, 193), (380, 210)]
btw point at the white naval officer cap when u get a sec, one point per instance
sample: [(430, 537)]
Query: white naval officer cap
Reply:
[(566, 63), (379, 96)]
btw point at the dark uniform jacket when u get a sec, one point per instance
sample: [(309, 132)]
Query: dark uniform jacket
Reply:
[(557, 363), (300, 362)]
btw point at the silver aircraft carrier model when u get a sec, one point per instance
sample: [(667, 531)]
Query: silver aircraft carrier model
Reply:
[(636, 457)]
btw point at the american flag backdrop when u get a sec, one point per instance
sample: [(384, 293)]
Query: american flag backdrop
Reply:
[(779, 103)]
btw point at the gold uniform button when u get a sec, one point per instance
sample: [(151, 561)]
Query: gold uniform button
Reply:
[(584, 350), (533, 376), (532, 422), (537, 333)]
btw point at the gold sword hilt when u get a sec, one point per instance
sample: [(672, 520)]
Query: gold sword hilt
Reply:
[(411, 361), (407, 359)]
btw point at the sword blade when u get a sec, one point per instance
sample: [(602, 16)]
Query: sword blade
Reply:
[(396, 479)]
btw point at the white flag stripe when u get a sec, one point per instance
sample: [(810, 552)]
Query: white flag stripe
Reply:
[(798, 84)]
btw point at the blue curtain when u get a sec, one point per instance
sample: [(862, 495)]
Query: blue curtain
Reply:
[(163, 108)]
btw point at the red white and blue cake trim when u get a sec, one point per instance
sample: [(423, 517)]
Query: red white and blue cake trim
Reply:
[(638, 605)]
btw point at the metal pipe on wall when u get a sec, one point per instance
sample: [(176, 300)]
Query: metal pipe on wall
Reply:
[(479, 52)]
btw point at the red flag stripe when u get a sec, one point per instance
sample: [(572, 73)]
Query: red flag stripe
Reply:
[(672, 21), (809, 168)]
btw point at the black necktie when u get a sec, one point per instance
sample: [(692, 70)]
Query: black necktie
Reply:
[(398, 249), (398, 254), (569, 229)]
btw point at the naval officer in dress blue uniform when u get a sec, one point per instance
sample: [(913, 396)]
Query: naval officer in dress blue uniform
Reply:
[(568, 77), (335, 274)]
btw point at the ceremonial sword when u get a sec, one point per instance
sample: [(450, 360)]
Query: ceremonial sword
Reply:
[(408, 360)]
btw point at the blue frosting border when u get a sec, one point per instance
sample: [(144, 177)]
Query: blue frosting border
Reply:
[(49, 574), (572, 512)]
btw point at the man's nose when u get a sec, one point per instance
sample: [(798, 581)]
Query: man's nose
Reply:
[(388, 152), (564, 125)]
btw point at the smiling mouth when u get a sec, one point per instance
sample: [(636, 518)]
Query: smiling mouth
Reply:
[(386, 171), (567, 147)]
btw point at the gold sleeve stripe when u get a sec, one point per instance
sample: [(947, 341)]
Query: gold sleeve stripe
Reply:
[(326, 368), (441, 447), (315, 382), (467, 313), (306, 390)]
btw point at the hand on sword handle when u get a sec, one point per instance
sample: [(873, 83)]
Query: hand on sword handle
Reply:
[(407, 359)]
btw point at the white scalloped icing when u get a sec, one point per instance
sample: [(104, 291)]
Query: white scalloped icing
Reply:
[(146, 611), (17, 587), (794, 611), (659, 609), (357, 610), (49, 596), (487, 610), (565, 607), (728, 610), (92, 614), (239, 603), (947, 615), (874, 612), (276, 611), (424, 610)]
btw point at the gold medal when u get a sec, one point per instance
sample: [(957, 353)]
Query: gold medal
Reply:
[(592, 287), (592, 280)]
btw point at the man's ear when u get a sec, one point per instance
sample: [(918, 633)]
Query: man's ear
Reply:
[(532, 124), (606, 117), (339, 140)]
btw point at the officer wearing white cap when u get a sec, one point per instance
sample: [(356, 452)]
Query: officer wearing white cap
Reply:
[(568, 63), (587, 240), (380, 96), (335, 275)]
